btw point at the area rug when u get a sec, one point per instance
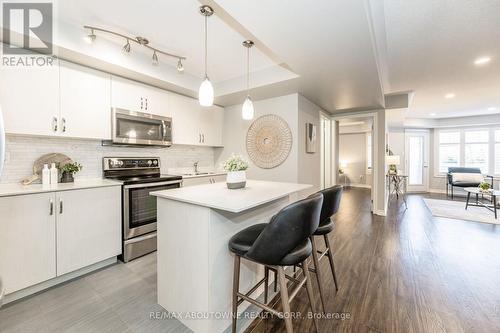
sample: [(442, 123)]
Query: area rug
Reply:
[(456, 210)]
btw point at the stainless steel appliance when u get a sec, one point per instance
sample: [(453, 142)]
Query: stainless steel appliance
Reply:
[(130, 128), (140, 176)]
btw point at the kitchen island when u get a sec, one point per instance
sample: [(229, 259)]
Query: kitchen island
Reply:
[(195, 267)]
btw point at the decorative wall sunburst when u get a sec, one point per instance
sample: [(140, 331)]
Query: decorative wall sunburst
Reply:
[(269, 141)]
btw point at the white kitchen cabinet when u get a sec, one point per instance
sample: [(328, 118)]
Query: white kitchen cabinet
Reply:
[(193, 124), (211, 121), (29, 97), (88, 227), (85, 102), (203, 180), (134, 96), (27, 240), (185, 113)]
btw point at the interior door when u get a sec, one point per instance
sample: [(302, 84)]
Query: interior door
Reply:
[(417, 160)]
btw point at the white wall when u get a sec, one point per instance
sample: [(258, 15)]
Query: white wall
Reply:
[(308, 164), (353, 151), (22, 151), (296, 111), (396, 143)]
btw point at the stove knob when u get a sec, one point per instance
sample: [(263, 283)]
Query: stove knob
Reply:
[(150, 162), (155, 162), (120, 163)]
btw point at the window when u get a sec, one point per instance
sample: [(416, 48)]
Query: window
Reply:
[(449, 150), (476, 149), (497, 152)]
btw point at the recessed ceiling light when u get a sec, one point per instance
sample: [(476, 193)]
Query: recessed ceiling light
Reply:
[(492, 108), (482, 61), (432, 114), (450, 95)]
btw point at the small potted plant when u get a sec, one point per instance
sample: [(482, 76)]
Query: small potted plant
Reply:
[(485, 187), (68, 171), (236, 175)]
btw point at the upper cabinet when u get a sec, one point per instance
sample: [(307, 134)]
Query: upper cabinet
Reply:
[(193, 124), (134, 96), (60, 100), (85, 97), (70, 100), (211, 121), (29, 99)]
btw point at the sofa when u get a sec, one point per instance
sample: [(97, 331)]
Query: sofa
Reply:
[(464, 177)]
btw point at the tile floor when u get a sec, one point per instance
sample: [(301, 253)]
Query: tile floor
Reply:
[(118, 298)]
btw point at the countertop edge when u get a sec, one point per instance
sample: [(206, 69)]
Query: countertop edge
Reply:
[(14, 189)]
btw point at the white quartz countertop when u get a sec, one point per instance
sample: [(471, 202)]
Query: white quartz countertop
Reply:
[(19, 189), (218, 196)]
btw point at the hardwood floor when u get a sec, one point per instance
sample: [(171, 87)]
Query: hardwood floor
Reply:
[(408, 272)]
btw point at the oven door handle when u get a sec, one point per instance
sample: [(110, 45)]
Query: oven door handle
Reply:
[(172, 182)]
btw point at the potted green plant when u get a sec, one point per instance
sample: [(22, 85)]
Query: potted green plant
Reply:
[(236, 175), (68, 171), (484, 186)]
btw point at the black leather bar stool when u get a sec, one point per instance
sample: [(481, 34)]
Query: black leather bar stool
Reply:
[(284, 241), (331, 204)]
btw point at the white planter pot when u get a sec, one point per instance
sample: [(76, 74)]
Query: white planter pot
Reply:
[(236, 179)]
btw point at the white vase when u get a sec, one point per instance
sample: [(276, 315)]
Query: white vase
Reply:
[(236, 179)]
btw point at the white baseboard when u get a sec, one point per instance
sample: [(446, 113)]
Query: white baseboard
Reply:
[(359, 185), (57, 280)]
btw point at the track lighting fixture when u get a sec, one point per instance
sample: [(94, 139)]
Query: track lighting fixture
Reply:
[(90, 38), (180, 66), (126, 47), (247, 110), (155, 58), (138, 40), (206, 92)]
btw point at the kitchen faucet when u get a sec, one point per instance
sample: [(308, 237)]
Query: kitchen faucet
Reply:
[(196, 167)]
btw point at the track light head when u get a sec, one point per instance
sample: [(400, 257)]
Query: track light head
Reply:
[(206, 10), (126, 47), (90, 38), (156, 61), (180, 66)]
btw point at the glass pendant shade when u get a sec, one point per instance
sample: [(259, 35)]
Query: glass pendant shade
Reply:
[(206, 93), (247, 111)]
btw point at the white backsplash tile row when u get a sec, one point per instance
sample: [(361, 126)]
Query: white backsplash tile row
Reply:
[(22, 151)]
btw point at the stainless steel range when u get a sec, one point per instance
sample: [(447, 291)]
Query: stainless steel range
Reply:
[(140, 176)]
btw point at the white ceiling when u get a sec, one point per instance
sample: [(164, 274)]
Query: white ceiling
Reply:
[(431, 47), (341, 54), (171, 25), (327, 42)]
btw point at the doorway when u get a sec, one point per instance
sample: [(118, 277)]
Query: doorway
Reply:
[(417, 160)]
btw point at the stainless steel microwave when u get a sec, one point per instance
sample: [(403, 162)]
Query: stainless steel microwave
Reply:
[(139, 129)]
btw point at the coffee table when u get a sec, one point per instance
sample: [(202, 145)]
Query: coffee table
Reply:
[(492, 205)]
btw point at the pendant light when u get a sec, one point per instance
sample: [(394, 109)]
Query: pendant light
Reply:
[(247, 111), (206, 92)]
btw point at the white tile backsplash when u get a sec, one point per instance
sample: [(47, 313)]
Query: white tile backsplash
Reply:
[(22, 151)]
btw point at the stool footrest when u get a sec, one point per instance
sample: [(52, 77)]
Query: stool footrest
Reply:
[(254, 288), (260, 305)]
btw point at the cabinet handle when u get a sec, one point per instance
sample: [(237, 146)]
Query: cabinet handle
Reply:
[(203, 136), (63, 125), (199, 139), (60, 206), (54, 124), (51, 207), (141, 103)]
